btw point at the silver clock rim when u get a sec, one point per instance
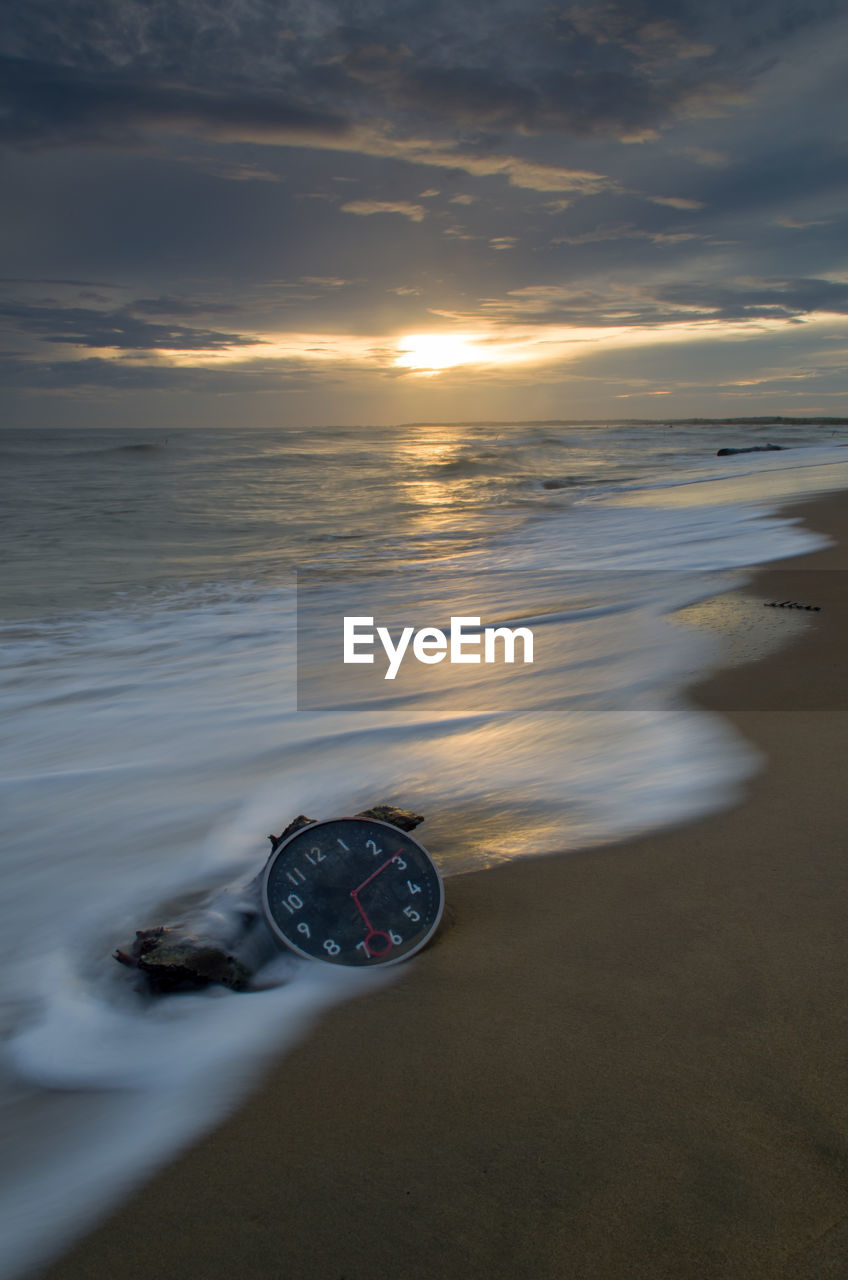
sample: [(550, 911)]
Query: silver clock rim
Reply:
[(324, 822)]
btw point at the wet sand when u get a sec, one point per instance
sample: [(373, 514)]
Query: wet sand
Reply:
[(613, 1065)]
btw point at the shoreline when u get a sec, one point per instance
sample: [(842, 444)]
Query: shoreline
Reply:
[(623, 1062)]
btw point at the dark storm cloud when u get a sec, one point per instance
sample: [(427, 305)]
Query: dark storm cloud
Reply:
[(573, 99), (264, 71), (46, 104), (119, 329), (657, 33), (475, 96)]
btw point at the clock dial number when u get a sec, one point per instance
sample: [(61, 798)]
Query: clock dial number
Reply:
[(304, 928)]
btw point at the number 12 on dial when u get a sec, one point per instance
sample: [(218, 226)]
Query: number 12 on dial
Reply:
[(352, 891)]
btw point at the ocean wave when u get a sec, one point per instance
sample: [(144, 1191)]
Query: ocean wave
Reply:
[(152, 743)]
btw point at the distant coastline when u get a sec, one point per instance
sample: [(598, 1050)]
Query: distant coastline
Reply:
[(775, 421)]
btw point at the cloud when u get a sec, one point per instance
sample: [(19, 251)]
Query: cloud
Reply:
[(663, 304), (754, 299), (51, 280), (118, 330), (46, 105), (625, 231), (415, 212), (476, 96), (231, 171), (166, 305), (459, 76), (801, 224), (327, 282), (97, 373), (707, 156), (437, 106), (533, 175), (710, 100), (653, 40), (676, 202)]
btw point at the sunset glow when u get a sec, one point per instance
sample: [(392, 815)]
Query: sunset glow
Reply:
[(430, 352), (446, 223)]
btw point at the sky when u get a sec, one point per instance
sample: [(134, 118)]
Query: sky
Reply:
[(262, 213)]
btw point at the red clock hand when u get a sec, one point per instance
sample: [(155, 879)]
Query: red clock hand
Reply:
[(373, 874), (358, 905), (372, 932)]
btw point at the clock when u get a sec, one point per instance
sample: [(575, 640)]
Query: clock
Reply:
[(352, 891)]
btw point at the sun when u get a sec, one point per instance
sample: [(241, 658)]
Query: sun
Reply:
[(430, 352)]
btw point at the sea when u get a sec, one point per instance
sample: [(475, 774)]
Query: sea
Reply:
[(167, 596)]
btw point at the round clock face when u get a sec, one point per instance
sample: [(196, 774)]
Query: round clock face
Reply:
[(352, 891)]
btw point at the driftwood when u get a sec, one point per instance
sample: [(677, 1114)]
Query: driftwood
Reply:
[(224, 938), (753, 448)]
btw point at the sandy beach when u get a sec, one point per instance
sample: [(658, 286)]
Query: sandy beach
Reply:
[(614, 1064)]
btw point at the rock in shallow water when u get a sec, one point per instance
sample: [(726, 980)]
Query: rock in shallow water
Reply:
[(752, 448)]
